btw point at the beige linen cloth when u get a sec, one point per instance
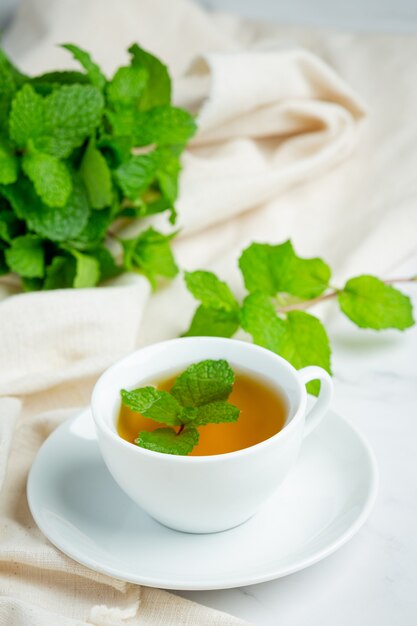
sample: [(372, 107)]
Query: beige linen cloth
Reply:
[(276, 125)]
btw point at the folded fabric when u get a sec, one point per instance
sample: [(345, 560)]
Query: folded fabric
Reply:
[(47, 338), (267, 120)]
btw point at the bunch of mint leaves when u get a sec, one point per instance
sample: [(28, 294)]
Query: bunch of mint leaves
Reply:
[(77, 153), (197, 397), (280, 286)]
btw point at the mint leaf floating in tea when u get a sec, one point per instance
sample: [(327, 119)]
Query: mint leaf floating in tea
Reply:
[(168, 441), (160, 406), (216, 413), (204, 382), (198, 397)]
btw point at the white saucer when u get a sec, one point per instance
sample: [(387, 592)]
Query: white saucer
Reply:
[(324, 501)]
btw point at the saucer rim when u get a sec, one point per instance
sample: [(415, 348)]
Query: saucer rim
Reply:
[(242, 581)]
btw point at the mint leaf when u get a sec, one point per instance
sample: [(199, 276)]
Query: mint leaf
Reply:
[(26, 256), (46, 83), (167, 441), (95, 229), (188, 414), (308, 279), (150, 253), (164, 125), (8, 87), (87, 270), (107, 265), (156, 404), (204, 382), (306, 343), (4, 234), (127, 86), (257, 264), (26, 116), (216, 413), (95, 75), (155, 203), (117, 149), (55, 223), (60, 274), (9, 165), (80, 270), (50, 177), (208, 322), (219, 313), (370, 303), (10, 226), (158, 87), (259, 318), (167, 175), (210, 291), (122, 123), (97, 177), (3, 266), (135, 175), (71, 114), (31, 284), (277, 269), (300, 339)]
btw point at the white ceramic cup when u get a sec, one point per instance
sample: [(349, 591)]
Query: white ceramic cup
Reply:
[(205, 494)]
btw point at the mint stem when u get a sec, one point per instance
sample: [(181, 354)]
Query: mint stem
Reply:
[(181, 429), (300, 306), (412, 279)]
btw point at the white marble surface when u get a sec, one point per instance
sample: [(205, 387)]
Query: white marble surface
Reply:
[(372, 580)]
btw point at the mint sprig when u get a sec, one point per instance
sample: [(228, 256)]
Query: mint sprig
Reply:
[(70, 167), (197, 397), (281, 286)]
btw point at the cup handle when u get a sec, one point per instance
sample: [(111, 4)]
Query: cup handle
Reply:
[(317, 412)]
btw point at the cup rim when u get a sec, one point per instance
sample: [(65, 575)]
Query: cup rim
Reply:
[(102, 425)]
